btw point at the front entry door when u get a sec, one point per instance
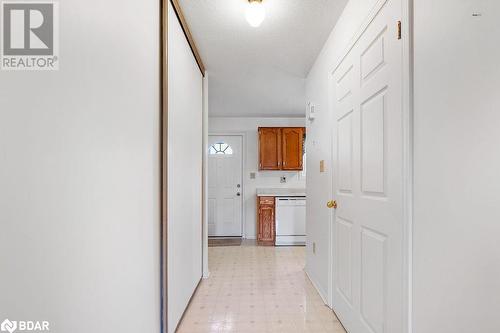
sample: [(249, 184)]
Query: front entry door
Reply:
[(368, 267), (225, 190)]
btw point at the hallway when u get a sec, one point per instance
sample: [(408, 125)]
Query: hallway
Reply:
[(258, 289)]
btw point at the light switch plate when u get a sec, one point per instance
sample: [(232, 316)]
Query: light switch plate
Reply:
[(252, 175)]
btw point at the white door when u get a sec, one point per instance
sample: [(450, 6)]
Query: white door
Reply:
[(368, 179), (225, 190)]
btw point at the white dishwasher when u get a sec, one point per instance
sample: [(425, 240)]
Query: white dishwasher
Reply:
[(290, 221)]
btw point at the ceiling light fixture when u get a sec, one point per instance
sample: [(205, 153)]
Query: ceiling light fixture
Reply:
[(255, 13)]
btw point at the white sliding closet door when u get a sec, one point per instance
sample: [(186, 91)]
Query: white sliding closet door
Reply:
[(185, 118)]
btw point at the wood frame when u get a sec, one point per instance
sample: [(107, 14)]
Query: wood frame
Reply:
[(187, 33), (163, 58)]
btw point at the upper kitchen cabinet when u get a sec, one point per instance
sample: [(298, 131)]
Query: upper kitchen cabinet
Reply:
[(281, 148), (292, 148), (270, 148)]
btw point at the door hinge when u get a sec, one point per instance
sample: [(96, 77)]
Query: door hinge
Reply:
[(399, 29)]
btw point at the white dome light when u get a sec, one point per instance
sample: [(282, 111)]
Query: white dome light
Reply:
[(255, 13)]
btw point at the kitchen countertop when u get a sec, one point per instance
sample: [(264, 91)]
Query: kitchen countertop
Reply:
[(281, 192)]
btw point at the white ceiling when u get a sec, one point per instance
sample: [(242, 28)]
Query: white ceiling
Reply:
[(256, 72)]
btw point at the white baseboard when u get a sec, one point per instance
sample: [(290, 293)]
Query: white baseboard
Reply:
[(316, 285), (251, 237)]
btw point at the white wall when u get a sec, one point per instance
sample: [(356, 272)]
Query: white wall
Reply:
[(319, 189), (185, 140), (264, 179), (457, 163), (79, 176)]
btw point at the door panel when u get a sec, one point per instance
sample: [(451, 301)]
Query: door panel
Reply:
[(224, 177), (292, 148), (373, 275), (270, 148), (344, 127), (373, 144), (344, 264), (368, 155), (266, 225)]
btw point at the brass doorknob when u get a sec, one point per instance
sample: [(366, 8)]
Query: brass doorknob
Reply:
[(332, 204)]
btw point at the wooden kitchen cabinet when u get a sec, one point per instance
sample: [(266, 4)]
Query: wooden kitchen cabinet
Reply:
[(270, 148), (292, 148), (281, 148), (266, 230)]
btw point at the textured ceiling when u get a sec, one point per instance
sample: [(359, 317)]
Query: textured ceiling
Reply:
[(259, 71)]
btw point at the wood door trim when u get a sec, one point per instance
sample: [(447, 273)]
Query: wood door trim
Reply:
[(187, 33)]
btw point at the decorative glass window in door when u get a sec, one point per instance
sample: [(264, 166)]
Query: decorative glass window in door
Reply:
[(220, 148)]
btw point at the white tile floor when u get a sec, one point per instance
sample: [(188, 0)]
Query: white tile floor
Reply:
[(258, 289)]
